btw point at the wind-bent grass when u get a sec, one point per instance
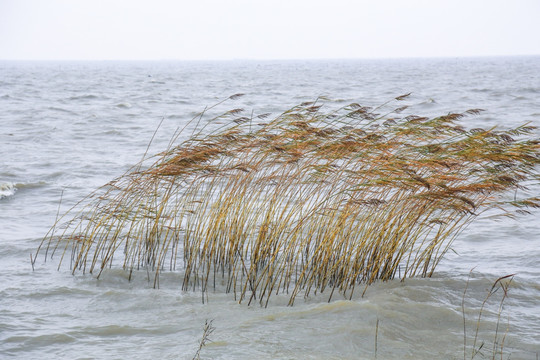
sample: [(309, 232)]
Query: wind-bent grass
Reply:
[(309, 201), (501, 285), (208, 329)]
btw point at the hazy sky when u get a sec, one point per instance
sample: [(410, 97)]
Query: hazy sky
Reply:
[(269, 29)]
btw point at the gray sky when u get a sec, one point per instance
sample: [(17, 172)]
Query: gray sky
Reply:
[(269, 29)]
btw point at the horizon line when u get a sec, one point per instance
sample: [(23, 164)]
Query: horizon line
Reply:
[(247, 59)]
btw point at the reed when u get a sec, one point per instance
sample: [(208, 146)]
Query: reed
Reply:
[(501, 285), (311, 200), (208, 329)]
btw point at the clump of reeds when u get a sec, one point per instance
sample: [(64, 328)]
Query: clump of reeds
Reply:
[(312, 200)]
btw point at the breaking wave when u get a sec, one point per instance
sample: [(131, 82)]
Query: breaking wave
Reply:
[(7, 189)]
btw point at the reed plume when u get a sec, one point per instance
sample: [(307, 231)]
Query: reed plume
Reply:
[(311, 200)]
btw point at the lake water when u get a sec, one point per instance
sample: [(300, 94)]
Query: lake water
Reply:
[(67, 128)]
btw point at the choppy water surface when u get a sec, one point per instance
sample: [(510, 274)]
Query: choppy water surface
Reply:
[(67, 128)]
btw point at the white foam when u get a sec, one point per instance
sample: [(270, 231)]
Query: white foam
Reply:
[(7, 189)]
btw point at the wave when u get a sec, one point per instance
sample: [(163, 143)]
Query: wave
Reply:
[(54, 108), (7, 189), (428, 103), (84, 97), (33, 185), (175, 116), (123, 105), (529, 90)]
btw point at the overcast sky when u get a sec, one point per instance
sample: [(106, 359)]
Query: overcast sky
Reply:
[(269, 29)]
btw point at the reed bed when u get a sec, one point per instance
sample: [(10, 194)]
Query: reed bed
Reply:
[(316, 199)]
